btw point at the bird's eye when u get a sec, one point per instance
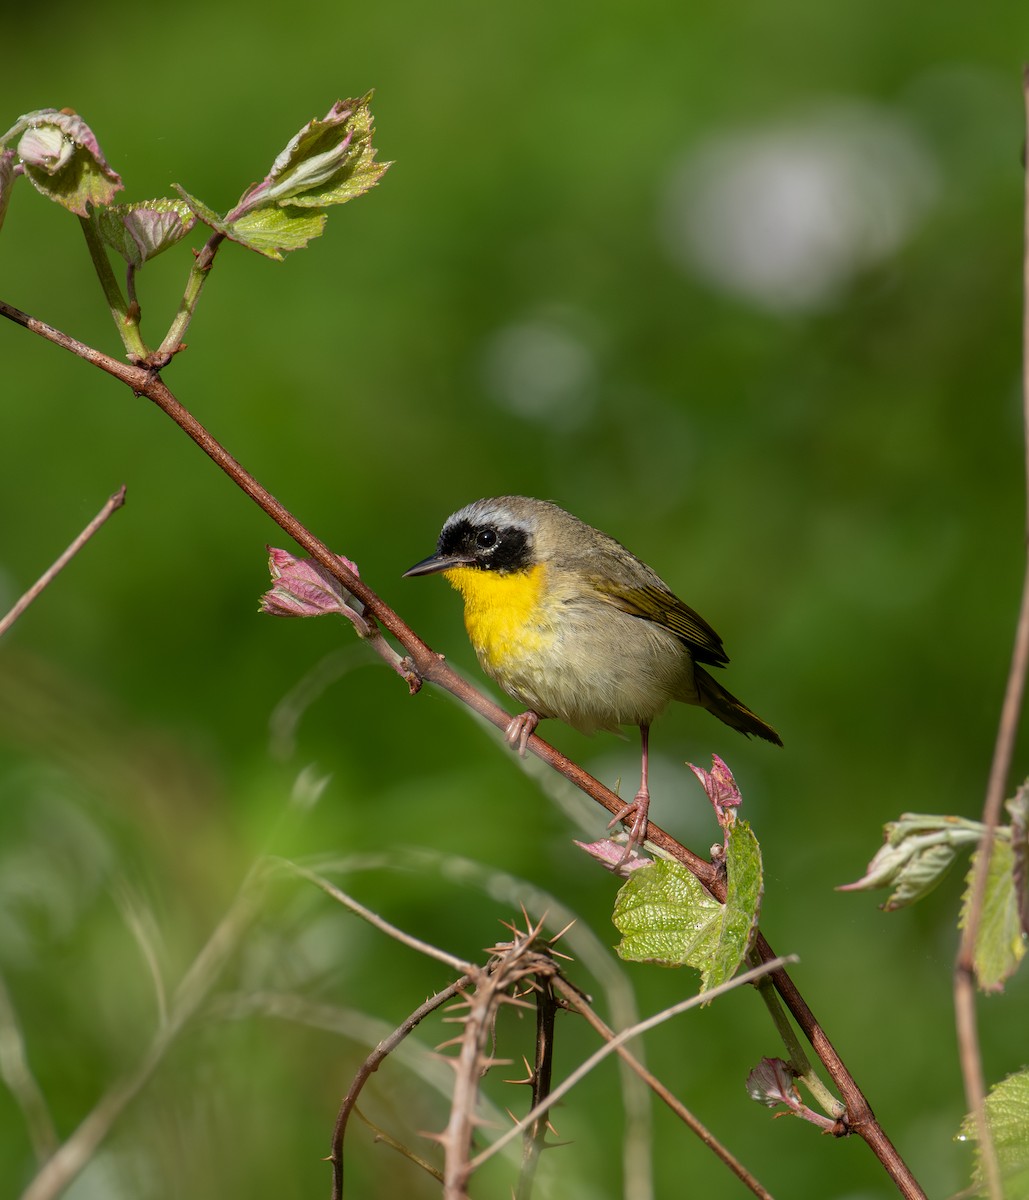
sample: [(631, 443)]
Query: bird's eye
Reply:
[(485, 539)]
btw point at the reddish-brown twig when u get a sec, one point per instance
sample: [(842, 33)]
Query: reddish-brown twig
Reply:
[(112, 505)]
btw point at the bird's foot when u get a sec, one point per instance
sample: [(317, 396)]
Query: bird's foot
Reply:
[(639, 806), (520, 729)]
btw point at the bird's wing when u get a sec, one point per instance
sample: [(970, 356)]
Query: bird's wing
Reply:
[(658, 604)]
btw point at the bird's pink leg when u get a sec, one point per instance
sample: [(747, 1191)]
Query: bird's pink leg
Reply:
[(640, 803), (520, 729)]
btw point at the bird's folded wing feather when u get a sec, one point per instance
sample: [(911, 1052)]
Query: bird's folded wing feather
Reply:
[(657, 604)]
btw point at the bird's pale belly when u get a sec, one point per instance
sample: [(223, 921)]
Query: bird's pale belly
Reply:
[(584, 662)]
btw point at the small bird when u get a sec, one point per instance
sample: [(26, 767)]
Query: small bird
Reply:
[(574, 626)]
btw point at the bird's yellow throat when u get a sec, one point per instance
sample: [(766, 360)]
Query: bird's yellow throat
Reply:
[(501, 612)]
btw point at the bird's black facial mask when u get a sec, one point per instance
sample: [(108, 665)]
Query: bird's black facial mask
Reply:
[(486, 545)]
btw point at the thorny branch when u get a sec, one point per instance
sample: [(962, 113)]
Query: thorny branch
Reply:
[(421, 663), (518, 969), (615, 1043)]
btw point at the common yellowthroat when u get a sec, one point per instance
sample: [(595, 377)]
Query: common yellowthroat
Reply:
[(574, 626)]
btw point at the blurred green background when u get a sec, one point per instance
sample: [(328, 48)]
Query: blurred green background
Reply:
[(738, 284)]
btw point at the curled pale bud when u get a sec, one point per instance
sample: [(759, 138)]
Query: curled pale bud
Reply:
[(771, 1083), (61, 156), (46, 148), (302, 587)]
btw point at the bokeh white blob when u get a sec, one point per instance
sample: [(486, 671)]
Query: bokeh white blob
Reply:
[(786, 215), (542, 370)]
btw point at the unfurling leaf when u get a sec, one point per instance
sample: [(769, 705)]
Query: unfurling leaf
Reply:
[(1000, 944), (63, 159), (139, 232), (917, 852), (1007, 1114), (328, 162), (302, 587)]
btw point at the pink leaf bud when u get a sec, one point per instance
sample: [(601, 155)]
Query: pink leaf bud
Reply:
[(302, 587)]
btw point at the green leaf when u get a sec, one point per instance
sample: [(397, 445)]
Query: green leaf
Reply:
[(666, 916), (139, 232), (1000, 944), (275, 231), (268, 231), (1007, 1114), (744, 889)]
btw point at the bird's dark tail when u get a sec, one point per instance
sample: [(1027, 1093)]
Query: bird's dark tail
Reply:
[(727, 708)]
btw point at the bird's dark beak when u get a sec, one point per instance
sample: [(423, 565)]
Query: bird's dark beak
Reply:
[(436, 563)]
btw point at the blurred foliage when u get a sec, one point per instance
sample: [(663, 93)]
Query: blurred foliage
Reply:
[(835, 482)]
